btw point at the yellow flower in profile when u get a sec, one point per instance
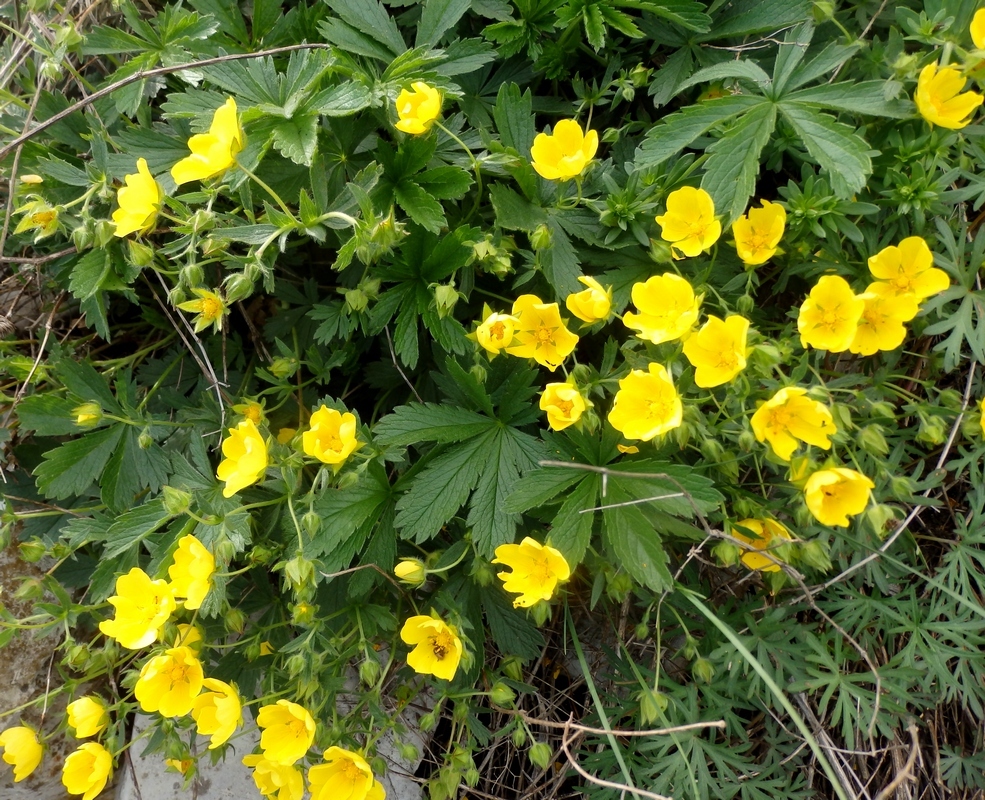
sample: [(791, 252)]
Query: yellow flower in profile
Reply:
[(829, 316), (87, 770), (495, 333), (564, 153), (276, 781), (210, 309), (245, 459), (718, 350), (417, 110), (758, 233), (288, 732), (978, 29), (437, 648), (87, 716), (881, 324), (213, 152), (411, 571), (939, 98), (668, 309), (142, 607), (540, 333), (332, 436), (344, 775), (169, 683), (22, 750), (217, 712), (790, 416), (767, 532), (139, 201), (591, 305), (536, 570), (833, 495), (191, 573), (179, 765), (908, 268), (647, 404), (563, 403), (689, 224)]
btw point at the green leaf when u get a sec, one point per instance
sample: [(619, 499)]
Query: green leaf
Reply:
[(514, 212), (340, 101), (429, 422), (594, 26), (514, 117), (465, 56), (297, 138), (744, 17), (790, 54), (445, 183), (47, 415), (733, 162), (836, 147), (868, 97), (345, 511), (830, 58), (134, 526), (571, 530), (107, 40), (82, 380), (560, 261), (130, 470), (250, 234), (372, 25), (72, 468), (438, 16), (634, 543), (686, 13), (512, 631), (405, 336), (89, 273), (742, 69), (541, 486), (665, 84), (420, 206)]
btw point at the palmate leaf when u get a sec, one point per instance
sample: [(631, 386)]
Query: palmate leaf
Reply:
[(634, 543), (836, 147), (437, 17), (72, 468)]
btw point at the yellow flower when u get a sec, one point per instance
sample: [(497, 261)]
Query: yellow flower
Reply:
[(139, 201), (758, 233), (332, 437), (718, 351), (276, 781), (536, 570), (938, 99), (978, 29), (690, 224), (179, 765), (245, 459), (87, 415), (344, 775), (908, 268), (418, 110), (266, 649), (251, 410), (591, 305), (411, 571), (189, 636), (169, 683), (767, 531), (647, 404), (87, 770), (88, 716), (438, 648), (881, 325), (142, 607), (288, 732), (210, 308), (38, 216), (564, 153), (22, 750), (217, 711), (790, 416), (540, 333), (833, 495), (285, 435), (668, 309), (829, 316), (213, 152), (563, 403), (191, 573), (496, 332)]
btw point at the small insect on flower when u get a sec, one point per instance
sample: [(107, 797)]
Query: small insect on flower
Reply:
[(438, 649), (833, 495), (213, 152), (564, 153)]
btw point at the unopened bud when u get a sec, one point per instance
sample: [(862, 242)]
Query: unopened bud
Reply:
[(29, 589), (815, 554), (411, 571), (541, 237), (932, 431), (745, 305), (356, 300), (881, 518), (295, 664), (642, 631), (479, 372), (871, 439), (33, 551), (652, 705), (483, 572), (883, 410), (512, 667), (202, 221), (369, 671), (145, 440), (87, 415), (176, 501), (283, 367), (519, 736), (426, 722), (311, 523), (727, 553), (237, 287), (191, 276), (540, 612), (540, 754), (408, 752), (140, 254), (445, 298), (502, 695), (703, 670), (235, 620)]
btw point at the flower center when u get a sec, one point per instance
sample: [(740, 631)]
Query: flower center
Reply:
[(211, 309), (178, 673), (564, 406), (297, 728), (779, 420), (497, 330), (43, 217), (545, 336), (441, 645)]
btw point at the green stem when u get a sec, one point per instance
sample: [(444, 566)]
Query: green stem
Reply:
[(475, 169), (271, 192)]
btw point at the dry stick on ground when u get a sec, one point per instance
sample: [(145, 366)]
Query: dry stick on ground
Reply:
[(38, 260), (907, 772)]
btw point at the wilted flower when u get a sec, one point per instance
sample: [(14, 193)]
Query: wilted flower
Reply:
[(881, 325), (540, 333), (758, 233), (563, 403), (689, 224), (536, 571), (790, 416), (139, 201), (767, 532), (417, 110), (191, 573), (591, 305), (829, 316), (718, 350), (438, 648), (496, 332), (908, 268), (647, 404), (217, 711), (87, 770), (142, 607), (332, 436), (245, 459), (276, 781), (288, 732), (210, 309), (22, 750), (833, 495), (564, 153), (213, 152), (169, 683), (87, 716), (939, 98), (668, 308), (343, 775)]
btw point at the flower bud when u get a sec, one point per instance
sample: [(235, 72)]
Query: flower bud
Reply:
[(745, 305), (87, 415), (883, 410), (445, 298), (426, 722), (712, 450), (823, 10), (660, 252), (311, 523), (950, 399), (540, 754), (140, 254), (411, 571), (540, 612), (932, 431), (104, 233), (747, 441), (642, 631), (639, 75), (295, 664), (191, 276), (82, 237), (408, 752), (541, 237), (479, 372), (483, 573), (369, 671), (176, 501), (460, 714), (202, 221), (871, 439), (235, 620), (356, 300), (727, 553), (33, 551), (283, 367), (512, 667), (29, 589), (901, 487), (519, 736), (652, 705), (237, 287), (815, 554), (472, 777), (145, 440), (502, 695), (881, 518), (703, 670), (618, 587)]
